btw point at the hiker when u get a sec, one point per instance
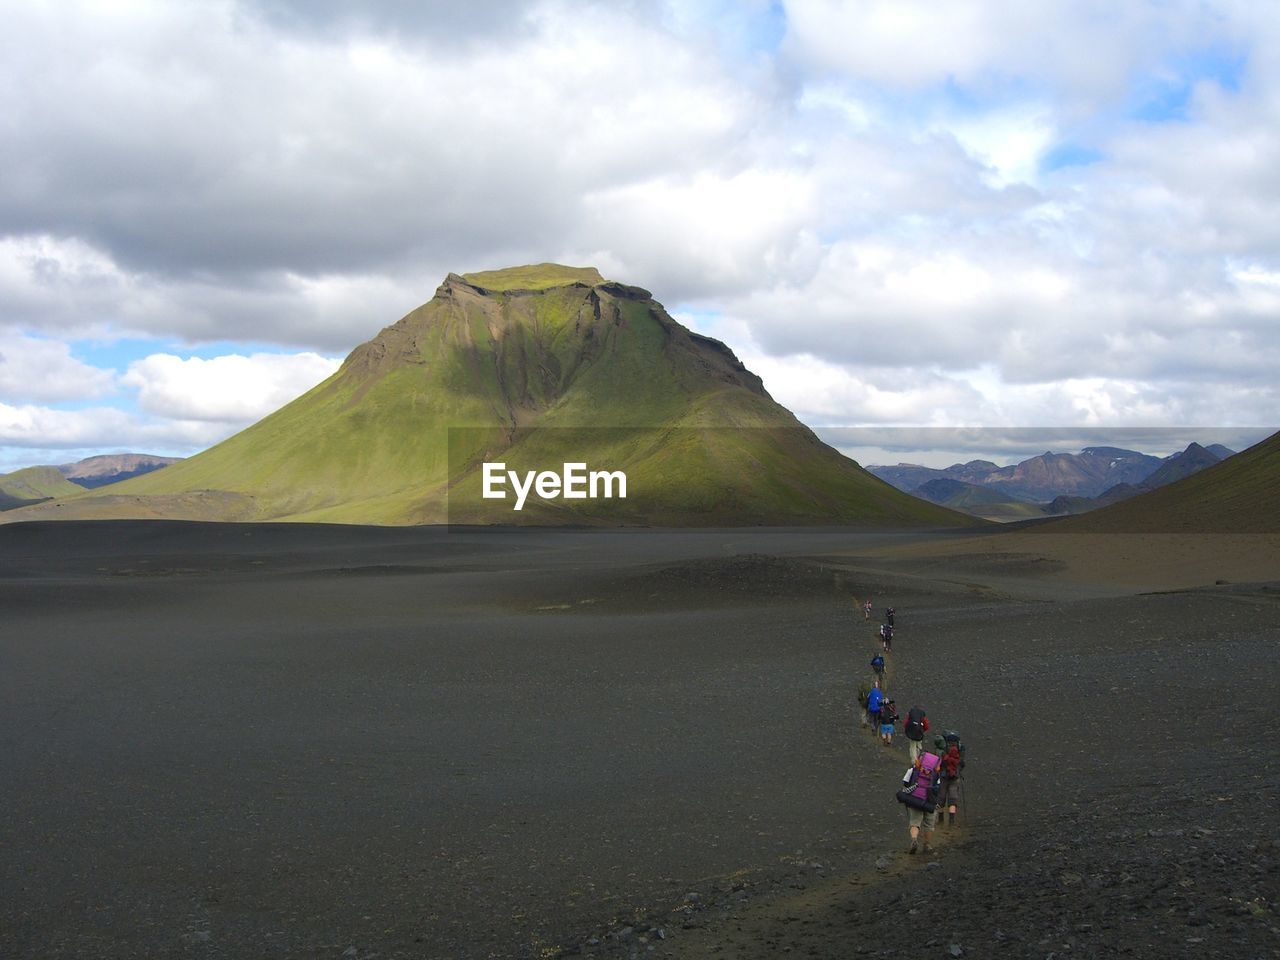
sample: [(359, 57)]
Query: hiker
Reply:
[(919, 794), (875, 702), (915, 727), (888, 717), (877, 667), (886, 635), (866, 610), (888, 616), (864, 692), (952, 765)]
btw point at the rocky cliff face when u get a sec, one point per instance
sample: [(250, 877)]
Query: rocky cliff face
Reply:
[(111, 468)]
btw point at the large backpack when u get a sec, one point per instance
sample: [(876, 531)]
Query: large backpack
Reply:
[(914, 727), (951, 764), (921, 791)]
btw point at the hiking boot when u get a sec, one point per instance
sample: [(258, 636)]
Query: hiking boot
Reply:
[(914, 845), (928, 850)]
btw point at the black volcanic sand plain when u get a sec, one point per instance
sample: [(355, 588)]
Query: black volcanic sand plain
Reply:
[(222, 740)]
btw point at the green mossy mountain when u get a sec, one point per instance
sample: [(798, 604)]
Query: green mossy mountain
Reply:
[(534, 366), (33, 484)]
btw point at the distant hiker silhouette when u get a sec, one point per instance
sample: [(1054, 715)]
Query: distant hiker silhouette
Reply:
[(888, 615), (886, 637), (866, 610), (877, 667)]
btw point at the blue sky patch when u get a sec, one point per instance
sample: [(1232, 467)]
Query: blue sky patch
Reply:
[(118, 354), (1069, 155), (1165, 99)]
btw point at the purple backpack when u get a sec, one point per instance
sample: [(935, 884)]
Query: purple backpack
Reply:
[(921, 792)]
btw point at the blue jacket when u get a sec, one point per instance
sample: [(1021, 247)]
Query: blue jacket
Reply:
[(877, 662), (873, 700)]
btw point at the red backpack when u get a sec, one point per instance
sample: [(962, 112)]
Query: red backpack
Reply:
[(951, 762)]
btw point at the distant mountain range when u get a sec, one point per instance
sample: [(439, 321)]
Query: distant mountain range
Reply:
[(1235, 495), (1051, 483), (36, 484), (1190, 461)]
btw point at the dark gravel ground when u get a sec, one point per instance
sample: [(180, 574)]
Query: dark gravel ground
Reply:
[(275, 741), (1123, 788)]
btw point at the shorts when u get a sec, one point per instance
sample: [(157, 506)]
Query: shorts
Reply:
[(918, 818), (949, 795), (886, 729)]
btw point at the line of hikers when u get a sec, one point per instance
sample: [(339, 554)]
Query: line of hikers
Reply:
[(933, 784)]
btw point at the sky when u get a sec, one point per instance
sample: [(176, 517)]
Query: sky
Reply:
[(962, 228)]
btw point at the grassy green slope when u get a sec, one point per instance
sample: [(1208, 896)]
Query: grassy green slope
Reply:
[(539, 276), (1239, 495), (36, 483), (693, 447), (993, 505)]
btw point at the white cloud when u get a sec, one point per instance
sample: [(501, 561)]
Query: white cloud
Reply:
[(44, 370), (230, 389), (1013, 142), (1089, 50), (96, 428), (258, 150), (71, 288)]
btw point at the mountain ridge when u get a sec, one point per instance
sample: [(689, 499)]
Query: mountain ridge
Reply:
[(1235, 495), (1079, 477), (104, 469)]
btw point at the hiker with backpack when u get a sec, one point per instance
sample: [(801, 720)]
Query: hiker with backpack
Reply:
[(888, 615), (915, 727), (952, 765), (888, 718), (886, 636), (877, 667), (875, 702), (919, 794)]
